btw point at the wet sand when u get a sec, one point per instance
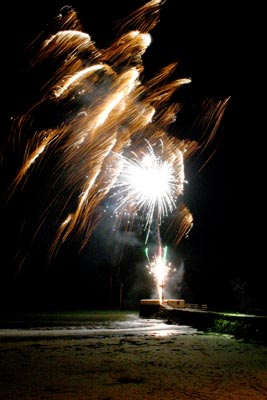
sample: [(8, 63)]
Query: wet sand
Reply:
[(130, 367)]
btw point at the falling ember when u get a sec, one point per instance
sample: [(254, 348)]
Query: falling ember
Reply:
[(160, 269), (104, 136), (180, 225)]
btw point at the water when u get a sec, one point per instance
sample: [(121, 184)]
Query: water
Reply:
[(85, 324)]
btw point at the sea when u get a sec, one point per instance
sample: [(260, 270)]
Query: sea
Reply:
[(81, 324)]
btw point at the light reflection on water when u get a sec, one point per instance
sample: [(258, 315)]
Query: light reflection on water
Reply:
[(86, 324)]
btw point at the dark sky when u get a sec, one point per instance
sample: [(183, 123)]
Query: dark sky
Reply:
[(214, 47)]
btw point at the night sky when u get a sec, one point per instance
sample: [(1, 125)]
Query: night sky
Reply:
[(213, 46)]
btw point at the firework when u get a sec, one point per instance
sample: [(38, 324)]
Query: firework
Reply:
[(151, 183), (112, 141), (160, 268)]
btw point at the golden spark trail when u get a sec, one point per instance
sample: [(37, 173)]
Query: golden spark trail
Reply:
[(77, 78)]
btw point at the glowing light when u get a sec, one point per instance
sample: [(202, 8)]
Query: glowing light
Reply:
[(160, 269), (151, 183)]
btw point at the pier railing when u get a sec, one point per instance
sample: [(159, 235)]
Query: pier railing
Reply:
[(197, 306)]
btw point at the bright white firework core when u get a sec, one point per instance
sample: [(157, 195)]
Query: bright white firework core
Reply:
[(151, 180), (150, 184)]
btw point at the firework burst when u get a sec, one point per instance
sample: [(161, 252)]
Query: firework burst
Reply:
[(108, 133), (151, 183)]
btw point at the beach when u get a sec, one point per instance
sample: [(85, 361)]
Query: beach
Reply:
[(132, 367)]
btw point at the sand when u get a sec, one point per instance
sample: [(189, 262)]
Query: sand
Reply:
[(180, 367)]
